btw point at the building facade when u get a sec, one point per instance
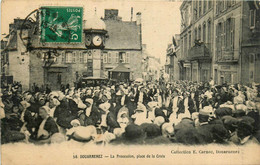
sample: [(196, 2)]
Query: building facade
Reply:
[(154, 66), (250, 46), (227, 43), (219, 40), (56, 64), (196, 40), (124, 44)]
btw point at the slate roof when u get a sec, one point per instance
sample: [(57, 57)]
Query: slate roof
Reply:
[(123, 35)]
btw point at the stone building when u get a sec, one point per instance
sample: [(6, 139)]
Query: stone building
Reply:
[(220, 39), (250, 46), (196, 40), (154, 66), (124, 44), (32, 61), (228, 32)]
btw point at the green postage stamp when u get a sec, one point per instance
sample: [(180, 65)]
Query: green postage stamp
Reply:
[(61, 24)]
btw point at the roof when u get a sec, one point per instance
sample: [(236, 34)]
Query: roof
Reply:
[(95, 23), (123, 35), (120, 68)]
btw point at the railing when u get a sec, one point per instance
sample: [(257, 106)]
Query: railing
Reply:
[(199, 51)]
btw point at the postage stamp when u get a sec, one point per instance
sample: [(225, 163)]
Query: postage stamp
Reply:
[(61, 24)]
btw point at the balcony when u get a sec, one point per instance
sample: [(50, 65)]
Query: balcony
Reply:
[(199, 52)]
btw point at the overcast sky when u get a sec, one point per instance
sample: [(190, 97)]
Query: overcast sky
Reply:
[(160, 19)]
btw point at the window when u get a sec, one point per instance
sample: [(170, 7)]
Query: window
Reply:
[(189, 45), (185, 45), (220, 6), (252, 19), (209, 4), (204, 6), (228, 4), (223, 5), (209, 33), (204, 33), (232, 33), (90, 54), (74, 57), (228, 34), (218, 40), (233, 2), (122, 57), (102, 62), (117, 57), (63, 57), (68, 57), (200, 8), (105, 57), (195, 9), (127, 59), (181, 46), (217, 7), (195, 34), (223, 36), (252, 58), (85, 55), (81, 57), (109, 60), (199, 33), (90, 67)]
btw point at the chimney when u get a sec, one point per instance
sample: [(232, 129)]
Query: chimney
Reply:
[(131, 14), (111, 14), (138, 18)]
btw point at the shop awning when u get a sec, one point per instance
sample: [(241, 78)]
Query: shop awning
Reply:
[(120, 68)]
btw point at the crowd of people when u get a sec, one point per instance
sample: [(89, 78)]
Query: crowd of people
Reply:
[(184, 112)]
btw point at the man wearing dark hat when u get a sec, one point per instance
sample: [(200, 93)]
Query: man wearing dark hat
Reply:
[(141, 96), (174, 103), (134, 134), (186, 104), (245, 133)]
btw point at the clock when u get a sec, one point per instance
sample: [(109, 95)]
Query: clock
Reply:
[(97, 40), (88, 40)]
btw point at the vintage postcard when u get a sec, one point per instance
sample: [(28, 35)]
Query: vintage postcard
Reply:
[(130, 82)]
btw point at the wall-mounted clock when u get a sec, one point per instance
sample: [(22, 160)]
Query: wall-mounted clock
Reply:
[(97, 40)]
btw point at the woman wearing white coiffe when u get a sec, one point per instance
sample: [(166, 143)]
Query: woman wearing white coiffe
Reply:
[(48, 126), (123, 117), (89, 103), (105, 107), (52, 104), (25, 118), (78, 101), (140, 115), (151, 110)]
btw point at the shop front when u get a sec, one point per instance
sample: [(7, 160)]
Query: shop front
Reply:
[(200, 58), (227, 73)]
